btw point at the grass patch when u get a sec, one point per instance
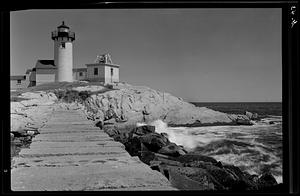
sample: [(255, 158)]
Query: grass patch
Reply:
[(63, 90)]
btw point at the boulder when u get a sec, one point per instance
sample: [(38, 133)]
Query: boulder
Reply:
[(251, 116), (165, 135), (154, 141), (146, 155), (225, 178), (165, 161), (242, 121), (244, 179), (12, 136), (248, 114), (198, 164), (266, 180), (99, 124), (19, 133), (133, 146), (196, 157), (111, 131), (143, 130), (188, 178), (122, 137), (172, 150), (99, 115), (255, 116)]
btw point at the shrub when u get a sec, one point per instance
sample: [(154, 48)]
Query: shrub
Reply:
[(84, 95), (109, 86), (72, 95)]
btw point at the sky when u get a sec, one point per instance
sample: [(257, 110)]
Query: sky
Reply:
[(200, 55)]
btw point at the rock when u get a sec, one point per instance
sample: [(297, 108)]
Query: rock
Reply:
[(182, 182), (133, 146), (146, 155), (199, 164), (19, 133), (111, 131), (100, 124), (131, 101), (188, 178), (196, 157), (165, 135), (222, 176), (172, 150), (266, 180), (154, 141), (122, 137), (17, 141), (12, 136), (30, 133), (143, 130), (99, 115), (251, 116), (255, 116), (219, 164), (244, 180), (166, 161), (241, 121)]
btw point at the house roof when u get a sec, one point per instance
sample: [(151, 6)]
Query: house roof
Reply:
[(79, 69), (103, 64), (19, 77), (45, 64)]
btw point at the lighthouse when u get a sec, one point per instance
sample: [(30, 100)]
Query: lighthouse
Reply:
[(63, 53)]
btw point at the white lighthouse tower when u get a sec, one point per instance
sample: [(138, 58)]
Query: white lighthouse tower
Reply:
[(63, 53)]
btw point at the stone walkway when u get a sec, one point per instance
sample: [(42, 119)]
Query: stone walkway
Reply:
[(71, 154)]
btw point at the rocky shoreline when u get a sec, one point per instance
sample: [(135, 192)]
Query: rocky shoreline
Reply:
[(187, 170)]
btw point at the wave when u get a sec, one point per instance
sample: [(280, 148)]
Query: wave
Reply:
[(254, 149)]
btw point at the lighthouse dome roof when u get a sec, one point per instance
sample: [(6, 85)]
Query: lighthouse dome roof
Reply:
[(63, 25)]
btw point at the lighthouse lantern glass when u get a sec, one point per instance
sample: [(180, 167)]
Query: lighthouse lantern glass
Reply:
[(63, 29)]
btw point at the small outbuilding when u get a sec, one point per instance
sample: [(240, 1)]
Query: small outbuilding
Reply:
[(103, 70), (18, 82)]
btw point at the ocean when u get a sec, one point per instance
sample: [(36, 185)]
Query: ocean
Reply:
[(255, 149)]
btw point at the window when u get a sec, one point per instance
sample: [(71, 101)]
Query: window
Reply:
[(95, 71), (63, 44), (19, 82), (111, 71), (80, 73)]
